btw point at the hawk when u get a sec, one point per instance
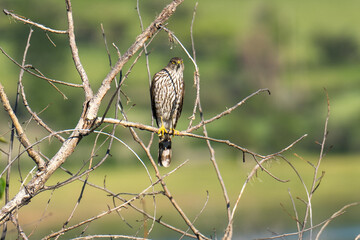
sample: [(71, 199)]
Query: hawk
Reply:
[(167, 94)]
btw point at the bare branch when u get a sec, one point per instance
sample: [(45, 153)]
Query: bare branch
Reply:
[(228, 111), (308, 212), (336, 214), (36, 116), (295, 210), (145, 48), (75, 53), (28, 21), (201, 211), (89, 114), (109, 237), (268, 172), (191, 31)]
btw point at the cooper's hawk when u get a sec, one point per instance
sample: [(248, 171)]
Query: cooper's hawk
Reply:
[(167, 94)]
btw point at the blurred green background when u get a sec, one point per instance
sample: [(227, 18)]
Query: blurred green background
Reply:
[(294, 48)]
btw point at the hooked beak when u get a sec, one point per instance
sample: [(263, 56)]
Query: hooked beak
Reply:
[(178, 65)]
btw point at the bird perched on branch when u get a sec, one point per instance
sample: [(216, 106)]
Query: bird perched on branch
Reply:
[(167, 94)]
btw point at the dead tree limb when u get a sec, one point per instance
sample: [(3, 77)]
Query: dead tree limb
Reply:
[(89, 114)]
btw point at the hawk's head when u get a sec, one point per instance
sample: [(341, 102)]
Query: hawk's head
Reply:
[(176, 64)]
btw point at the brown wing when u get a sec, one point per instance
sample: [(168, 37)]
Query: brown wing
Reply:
[(152, 95), (154, 90), (182, 94)]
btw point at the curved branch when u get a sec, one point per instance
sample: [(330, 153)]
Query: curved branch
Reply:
[(20, 132)]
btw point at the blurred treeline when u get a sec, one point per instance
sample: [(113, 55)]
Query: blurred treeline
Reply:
[(294, 48)]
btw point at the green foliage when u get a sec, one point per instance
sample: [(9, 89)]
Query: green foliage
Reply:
[(337, 49)]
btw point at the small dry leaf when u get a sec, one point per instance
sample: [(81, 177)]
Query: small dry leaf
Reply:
[(171, 39)]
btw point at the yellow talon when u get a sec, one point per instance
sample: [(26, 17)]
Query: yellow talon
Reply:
[(162, 130), (174, 132)]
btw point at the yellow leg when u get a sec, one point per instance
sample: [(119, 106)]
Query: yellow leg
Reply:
[(162, 129)]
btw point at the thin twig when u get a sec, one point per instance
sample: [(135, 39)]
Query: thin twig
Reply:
[(145, 45), (52, 84), (198, 215), (36, 116), (196, 73), (15, 220), (186, 134), (191, 32), (254, 170), (147, 64), (308, 212), (228, 111), (269, 173), (295, 210), (106, 45), (28, 21), (109, 237), (182, 46), (336, 214), (39, 76)]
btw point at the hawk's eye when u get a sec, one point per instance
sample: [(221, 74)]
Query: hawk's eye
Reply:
[(173, 62)]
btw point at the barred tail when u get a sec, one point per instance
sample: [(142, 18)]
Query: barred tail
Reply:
[(164, 158)]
